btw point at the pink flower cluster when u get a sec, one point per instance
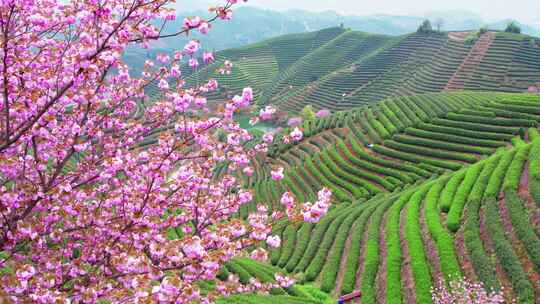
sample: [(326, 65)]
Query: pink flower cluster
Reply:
[(105, 196), (462, 291)]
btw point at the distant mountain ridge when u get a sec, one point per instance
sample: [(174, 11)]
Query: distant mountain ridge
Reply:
[(338, 69), (251, 25)]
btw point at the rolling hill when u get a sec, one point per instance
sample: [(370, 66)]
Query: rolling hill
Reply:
[(431, 152), (340, 69), (427, 187)]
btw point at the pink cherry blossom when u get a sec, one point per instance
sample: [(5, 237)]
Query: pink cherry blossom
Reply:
[(277, 174), (208, 57), (112, 190), (268, 137), (273, 241), (204, 28), (192, 47), (267, 112), (296, 134)]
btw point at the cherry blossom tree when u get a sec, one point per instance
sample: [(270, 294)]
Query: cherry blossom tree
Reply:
[(89, 210)]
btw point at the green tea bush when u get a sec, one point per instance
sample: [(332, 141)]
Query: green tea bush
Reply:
[(461, 195), (394, 254), (508, 259), (454, 138), (372, 254), (287, 245), (304, 235), (419, 264), (456, 130), (496, 179), (416, 159), (441, 145), (449, 191), (522, 226), (491, 121), (513, 175), (400, 177), (430, 152), (330, 268), (351, 266), (332, 152), (318, 261), (444, 241)]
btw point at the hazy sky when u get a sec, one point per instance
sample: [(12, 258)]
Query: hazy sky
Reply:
[(523, 10)]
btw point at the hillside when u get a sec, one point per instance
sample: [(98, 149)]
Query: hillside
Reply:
[(340, 69), (426, 187)]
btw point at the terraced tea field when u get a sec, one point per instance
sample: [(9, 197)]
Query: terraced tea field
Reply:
[(426, 187), (339, 69)]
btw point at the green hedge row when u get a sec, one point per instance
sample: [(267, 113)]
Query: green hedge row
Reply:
[(444, 241), (303, 237), (529, 109), (287, 244), (478, 112), (411, 169), (510, 122), (394, 107), (317, 236), (351, 265), (393, 177), (509, 114), (419, 264), (456, 130), (533, 134), (377, 125), (407, 111), (508, 259), (336, 156), (333, 172), (513, 175), (441, 144), (337, 192), (450, 190), (356, 132), (430, 152), (391, 116), (234, 267), (331, 267), (453, 221), (372, 254), (416, 159), (522, 226), (370, 130), (394, 254), (454, 138), (496, 179), (534, 171), (475, 126), (318, 261), (299, 194)]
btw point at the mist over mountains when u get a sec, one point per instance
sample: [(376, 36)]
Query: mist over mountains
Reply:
[(251, 25)]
